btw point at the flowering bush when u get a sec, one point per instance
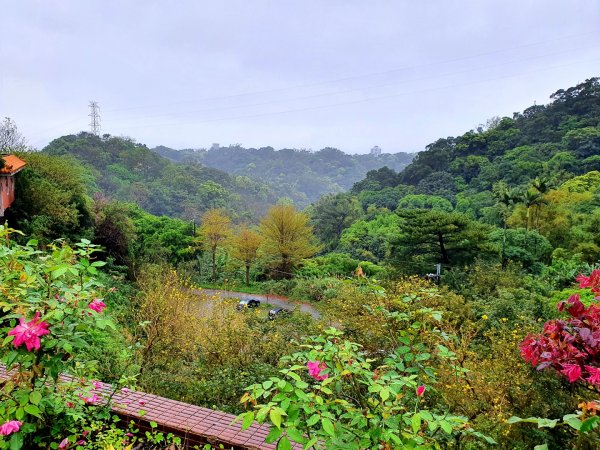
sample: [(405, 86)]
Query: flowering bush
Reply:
[(572, 348), (49, 301), (331, 397)]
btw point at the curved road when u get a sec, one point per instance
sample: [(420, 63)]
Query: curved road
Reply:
[(270, 299)]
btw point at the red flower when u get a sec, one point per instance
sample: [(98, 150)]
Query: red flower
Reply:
[(420, 391), (315, 368), (97, 305), (593, 281), (10, 427), (572, 372), (573, 305), (29, 333)]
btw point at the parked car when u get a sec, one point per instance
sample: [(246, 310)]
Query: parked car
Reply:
[(278, 312), (248, 303)]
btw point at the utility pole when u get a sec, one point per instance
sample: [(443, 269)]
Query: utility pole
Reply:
[(95, 117)]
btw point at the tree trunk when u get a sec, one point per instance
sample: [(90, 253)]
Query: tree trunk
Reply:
[(503, 257), (214, 265), (247, 274), (443, 251)]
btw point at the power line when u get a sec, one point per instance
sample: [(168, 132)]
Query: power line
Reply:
[(363, 100), (355, 77), (358, 89)]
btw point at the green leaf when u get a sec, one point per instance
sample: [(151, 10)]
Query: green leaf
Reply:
[(275, 416), (33, 410), (16, 441), (248, 420), (35, 397), (313, 420), (446, 427), (284, 444), (153, 424), (302, 384), (416, 423), (547, 423), (310, 443), (273, 435), (384, 394), (295, 435), (541, 447), (59, 272), (573, 421), (589, 424), (327, 426)]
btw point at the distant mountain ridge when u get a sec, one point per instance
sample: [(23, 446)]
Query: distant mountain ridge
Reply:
[(301, 175), (129, 171)]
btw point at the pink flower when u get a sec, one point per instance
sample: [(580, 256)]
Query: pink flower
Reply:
[(96, 384), (420, 391), (90, 400), (571, 371), (142, 402), (315, 368), (29, 333), (80, 442), (10, 427), (594, 377), (125, 391), (97, 305), (70, 405), (64, 443), (85, 433)]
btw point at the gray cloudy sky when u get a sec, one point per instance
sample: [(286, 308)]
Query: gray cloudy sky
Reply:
[(305, 74)]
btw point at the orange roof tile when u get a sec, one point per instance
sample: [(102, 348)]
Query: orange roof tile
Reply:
[(12, 164)]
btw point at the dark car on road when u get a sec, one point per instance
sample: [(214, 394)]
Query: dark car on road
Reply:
[(275, 312), (248, 303)]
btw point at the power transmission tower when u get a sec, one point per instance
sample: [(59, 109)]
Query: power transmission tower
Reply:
[(95, 117)]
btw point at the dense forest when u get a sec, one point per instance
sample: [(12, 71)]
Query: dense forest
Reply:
[(125, 170), (301, 175), (452, 303)]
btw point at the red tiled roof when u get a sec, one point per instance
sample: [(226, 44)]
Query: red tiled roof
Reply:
[(12, 164), (194, 424)]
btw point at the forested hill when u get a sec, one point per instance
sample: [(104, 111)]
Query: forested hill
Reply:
[(554, 141), (125, 170), (301, 175)]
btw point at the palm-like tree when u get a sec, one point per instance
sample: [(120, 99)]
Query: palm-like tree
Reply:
[(506, 197), (541, 184), (531, 199)]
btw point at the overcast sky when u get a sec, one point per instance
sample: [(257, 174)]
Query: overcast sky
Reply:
[(295, 74)]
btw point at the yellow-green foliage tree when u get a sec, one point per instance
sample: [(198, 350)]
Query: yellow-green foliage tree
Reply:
[(215, 230), (166, 312), (288, 239), (244, 247), (569, 216)]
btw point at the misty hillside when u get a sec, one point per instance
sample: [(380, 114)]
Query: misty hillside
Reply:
[(301, 175), (129, 171)]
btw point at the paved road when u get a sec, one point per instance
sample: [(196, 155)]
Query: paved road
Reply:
[(271, 299)]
